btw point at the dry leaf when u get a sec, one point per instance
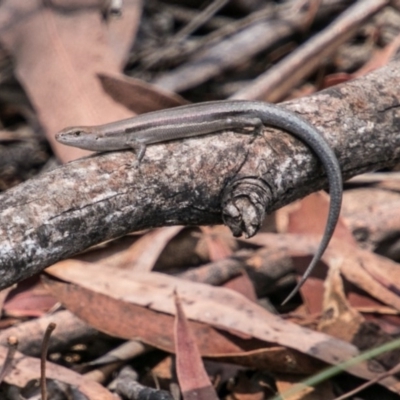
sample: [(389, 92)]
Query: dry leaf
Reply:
[(323, 391), (218, 307), (352, 262), (130, 321), (58, 50), (139, 96), (29, 299), (144, 253), (126, 320), (243, 285), (309, 215), (192, 376), (219, 242), (339, 318)]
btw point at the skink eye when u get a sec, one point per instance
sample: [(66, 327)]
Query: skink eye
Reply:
[(77, 133)]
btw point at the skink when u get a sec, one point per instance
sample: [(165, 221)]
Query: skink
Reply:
[(210, 117)]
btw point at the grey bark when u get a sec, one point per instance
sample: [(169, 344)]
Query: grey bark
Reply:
[(104, 196)]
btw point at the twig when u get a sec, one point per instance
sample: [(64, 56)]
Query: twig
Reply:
[(45, 347), (274, 84), (12, 344), (384, 375), (200, 19), (128, 387), (192, 26)]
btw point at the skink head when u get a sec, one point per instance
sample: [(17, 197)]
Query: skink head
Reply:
[(77, 136), (71, 135)]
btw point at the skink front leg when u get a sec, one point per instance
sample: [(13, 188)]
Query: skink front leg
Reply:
[(139, 149), (195, 128)]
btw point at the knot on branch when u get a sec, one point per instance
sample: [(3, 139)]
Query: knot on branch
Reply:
[(243, 206)]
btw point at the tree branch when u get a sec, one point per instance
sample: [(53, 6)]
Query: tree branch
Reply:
[(185, 182)]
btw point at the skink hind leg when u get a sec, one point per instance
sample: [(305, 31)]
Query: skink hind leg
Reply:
[(257, 126), (240, 124)]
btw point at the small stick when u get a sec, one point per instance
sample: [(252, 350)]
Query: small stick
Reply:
[(12, 344), (45, 347), (192, 26), (378, 378), (274, 84)]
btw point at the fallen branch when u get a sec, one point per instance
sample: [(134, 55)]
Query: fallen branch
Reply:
[(184, 182)]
